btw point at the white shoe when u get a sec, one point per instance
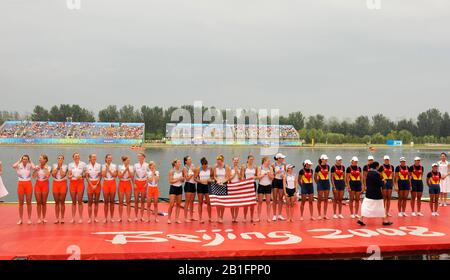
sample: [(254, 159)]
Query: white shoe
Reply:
[(281, 218), (357, 216), (445, 204), (400, 214), (419, 214), (437, 214), (433, 214), (352, 216), (389, 215), (341, 216), (405, 215), (335, 216), (274, 218), (29, 222), (19, 222), (301, 219), (413, 214)]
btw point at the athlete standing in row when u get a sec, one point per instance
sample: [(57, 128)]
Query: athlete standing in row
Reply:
[(305, 180), (222, 173), (109, 174), (290, 182), (248, 171), (24, 168), (387, 172), (77, 170), (279, 169), (338, 183), (235, 176), (153, 191), (93, 178), (59, 174), (322, 179), (354, 185), (203, 179), (416, 172), (140, 187), (126, 177), (176, 180), (265, 177), (42, 174), (444, 169), (433, 181), (402, 186), (189, 189), (366, 168)]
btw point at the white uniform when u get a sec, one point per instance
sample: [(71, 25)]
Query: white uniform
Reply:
[(250, 172), (126, 176), (150, 174), (265, 181), (3, 190), (445, 183), (24, 172), (94, 171), (191, 173), (77, 170), (221, 173), (290, 182), (279, 168), (112, 169), (205, 175), (141, 171), (177, 175), (234, 176), (41, 176), (58, 175)]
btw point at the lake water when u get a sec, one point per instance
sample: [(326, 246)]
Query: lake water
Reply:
[(164, 156)]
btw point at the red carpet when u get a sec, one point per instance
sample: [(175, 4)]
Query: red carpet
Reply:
[(189, 241)]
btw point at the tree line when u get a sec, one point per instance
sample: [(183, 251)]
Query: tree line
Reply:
[(431, 126)]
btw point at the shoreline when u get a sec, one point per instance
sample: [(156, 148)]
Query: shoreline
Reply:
[(445, 147)]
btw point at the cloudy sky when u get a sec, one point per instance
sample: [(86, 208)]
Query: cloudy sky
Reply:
[(338, 58)]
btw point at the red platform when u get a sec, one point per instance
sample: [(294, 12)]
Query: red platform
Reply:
[(309, 239)]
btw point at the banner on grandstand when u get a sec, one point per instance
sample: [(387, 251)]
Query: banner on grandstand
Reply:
[(238, 194)]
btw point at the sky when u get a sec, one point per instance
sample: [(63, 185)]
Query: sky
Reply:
[(336, 58)]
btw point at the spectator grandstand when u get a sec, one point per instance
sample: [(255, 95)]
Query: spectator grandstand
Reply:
[(231, 134), (71, 130)]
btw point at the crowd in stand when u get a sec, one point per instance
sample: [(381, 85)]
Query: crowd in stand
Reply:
[(29, 129)]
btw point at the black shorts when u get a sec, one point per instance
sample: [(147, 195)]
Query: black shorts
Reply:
[(277, 183), (202, 189), (340, 185), (356, 186), (307, 189), (403, 185), (434, 189), (389, 184), (264, 189), (189, 188), (175, 190), (323, 185), (417, 185), (290, 192)]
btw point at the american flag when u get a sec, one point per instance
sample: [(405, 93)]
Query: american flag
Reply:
[(237, 194)]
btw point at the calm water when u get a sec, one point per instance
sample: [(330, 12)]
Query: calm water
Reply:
[(164, 156)]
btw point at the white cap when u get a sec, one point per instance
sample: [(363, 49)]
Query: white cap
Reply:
[(434, 164), (402, 159), (370, 158), (323, 157), (355, 159), (417, 158), (308, 162), (338, 158), (279, 155), (386, 157), (290, 166)]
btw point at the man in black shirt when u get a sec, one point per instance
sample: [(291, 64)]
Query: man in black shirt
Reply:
[(373, 205)]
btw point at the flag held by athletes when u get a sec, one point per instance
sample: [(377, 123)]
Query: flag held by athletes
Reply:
[(237, 194)]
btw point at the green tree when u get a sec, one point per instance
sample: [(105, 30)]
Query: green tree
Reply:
[(409, 125), (361, 126), (316, 122), (109, 114), (382, 124), (296, 119), (445, 125), (40, 114), (129, 114), (429, 122)]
